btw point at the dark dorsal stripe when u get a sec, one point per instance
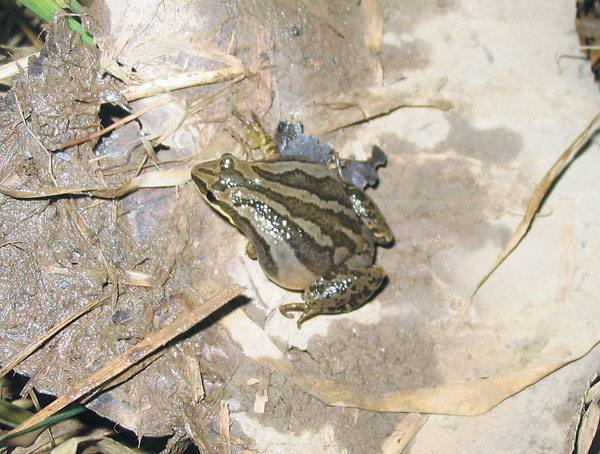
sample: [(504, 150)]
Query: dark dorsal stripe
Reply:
[(329, 186), (338, 224), (335, 219), (306, 250)]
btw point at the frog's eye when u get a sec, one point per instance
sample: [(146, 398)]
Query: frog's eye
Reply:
[(226, 162), (210, 196)]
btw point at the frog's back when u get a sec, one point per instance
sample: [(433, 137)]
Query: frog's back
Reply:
[(301, 221)]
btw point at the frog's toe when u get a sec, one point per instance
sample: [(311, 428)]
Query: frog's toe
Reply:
[(293, 307), (307, 314), (307, 311)]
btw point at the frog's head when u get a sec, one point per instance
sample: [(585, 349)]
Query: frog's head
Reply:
[(221, 182)]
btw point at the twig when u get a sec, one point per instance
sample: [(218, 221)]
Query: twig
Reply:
[(121, 122), (183, 80)]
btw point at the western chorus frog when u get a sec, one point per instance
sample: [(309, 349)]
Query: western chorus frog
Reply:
[(309, 228)]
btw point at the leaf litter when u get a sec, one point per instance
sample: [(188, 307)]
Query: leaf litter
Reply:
[(462, 398)]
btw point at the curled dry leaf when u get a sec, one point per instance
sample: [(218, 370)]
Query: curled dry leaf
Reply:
[(71, 445), (593, 394)]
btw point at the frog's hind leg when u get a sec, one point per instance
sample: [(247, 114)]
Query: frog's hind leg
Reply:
[(258, 137), (367, 210), (338, 294)]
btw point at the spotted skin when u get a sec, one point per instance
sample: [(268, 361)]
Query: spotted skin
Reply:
[(339, 294)]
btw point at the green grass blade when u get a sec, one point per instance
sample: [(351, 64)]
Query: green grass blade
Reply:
[(46, 8), (61, 416)]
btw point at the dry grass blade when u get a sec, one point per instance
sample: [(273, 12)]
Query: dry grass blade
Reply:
[(157, 179), (115, 125), (42, 193), (137, 353), (184, 80), (15, 67), (127, 375), (366, 104), (537, 197), (441, 105)]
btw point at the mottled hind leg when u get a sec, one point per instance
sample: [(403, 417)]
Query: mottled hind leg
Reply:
[(337, 294)]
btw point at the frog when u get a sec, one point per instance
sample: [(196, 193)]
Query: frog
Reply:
[(310, 229)]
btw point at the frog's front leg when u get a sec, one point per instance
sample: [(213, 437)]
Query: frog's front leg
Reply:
[(337, 294)]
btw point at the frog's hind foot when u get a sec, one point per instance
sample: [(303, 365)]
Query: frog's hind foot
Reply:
[(287, 308), (307, 312), (258, 138)]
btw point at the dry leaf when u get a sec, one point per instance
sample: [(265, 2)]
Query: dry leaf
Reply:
[(588, 427), (466, 399), (70, 446), (538, 196), (593, 393)]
